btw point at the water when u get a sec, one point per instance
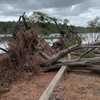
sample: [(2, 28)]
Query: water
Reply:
[(3, 42), (3, 45), (50, 41), (87, 38), (90, 37), (8, 35)]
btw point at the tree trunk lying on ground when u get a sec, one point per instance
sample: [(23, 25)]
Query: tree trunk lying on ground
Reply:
[(80, 65), (91, 64)]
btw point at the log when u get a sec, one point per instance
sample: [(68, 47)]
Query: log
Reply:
[(59, 55), (93, 68), (47, 93), (82, 65), (52, 60)]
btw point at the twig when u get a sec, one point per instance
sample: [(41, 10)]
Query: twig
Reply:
[(3, 49)]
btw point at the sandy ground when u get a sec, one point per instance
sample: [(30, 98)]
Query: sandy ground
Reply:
[(30, 88), (77, 86)]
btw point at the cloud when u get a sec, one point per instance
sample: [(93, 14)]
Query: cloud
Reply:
[(40, 3), (77, 11)]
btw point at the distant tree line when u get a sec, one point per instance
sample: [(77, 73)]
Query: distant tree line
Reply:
[(46, 25), (6, 26)]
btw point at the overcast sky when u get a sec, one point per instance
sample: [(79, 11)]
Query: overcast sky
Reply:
[(78, 12)]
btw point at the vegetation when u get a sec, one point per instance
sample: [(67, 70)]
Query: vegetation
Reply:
[(94, 25), (47, 25), (88, 55), (5, 26)]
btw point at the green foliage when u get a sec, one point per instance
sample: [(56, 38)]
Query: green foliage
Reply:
[(46, 23), (65, 21), (94, 25), (88, 55)]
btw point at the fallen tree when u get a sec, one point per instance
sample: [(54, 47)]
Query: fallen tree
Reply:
[(73, 66), (22, 55), (54, 59), (28, 52)]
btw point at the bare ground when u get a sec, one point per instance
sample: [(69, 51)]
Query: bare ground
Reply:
[(77, 86), (29, 88)]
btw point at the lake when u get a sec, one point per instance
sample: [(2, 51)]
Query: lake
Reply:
[(87, 38), (3, 45)]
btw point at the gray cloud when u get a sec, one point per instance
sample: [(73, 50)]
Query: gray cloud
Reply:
[(77, 11), (40, 3)]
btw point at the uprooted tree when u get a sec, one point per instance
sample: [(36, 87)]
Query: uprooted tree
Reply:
[(28, 52)]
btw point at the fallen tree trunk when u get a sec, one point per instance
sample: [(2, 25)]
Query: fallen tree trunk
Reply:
[(91, 64), (95, 60), (52, 60), (59, 55), (82, 66)]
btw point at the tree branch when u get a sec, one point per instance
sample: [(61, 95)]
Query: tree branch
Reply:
[(3, 49), (85, 53)]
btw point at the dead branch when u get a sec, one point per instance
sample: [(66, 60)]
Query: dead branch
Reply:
[(85, 53), (3, 49)]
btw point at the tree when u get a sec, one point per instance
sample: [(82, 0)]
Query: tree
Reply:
[(59, 24), (65, 21), (38, 17), (95, 24)]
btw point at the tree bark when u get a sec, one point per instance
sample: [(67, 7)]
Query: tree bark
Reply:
[(91, 64), (59, 55), (52, 60)]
